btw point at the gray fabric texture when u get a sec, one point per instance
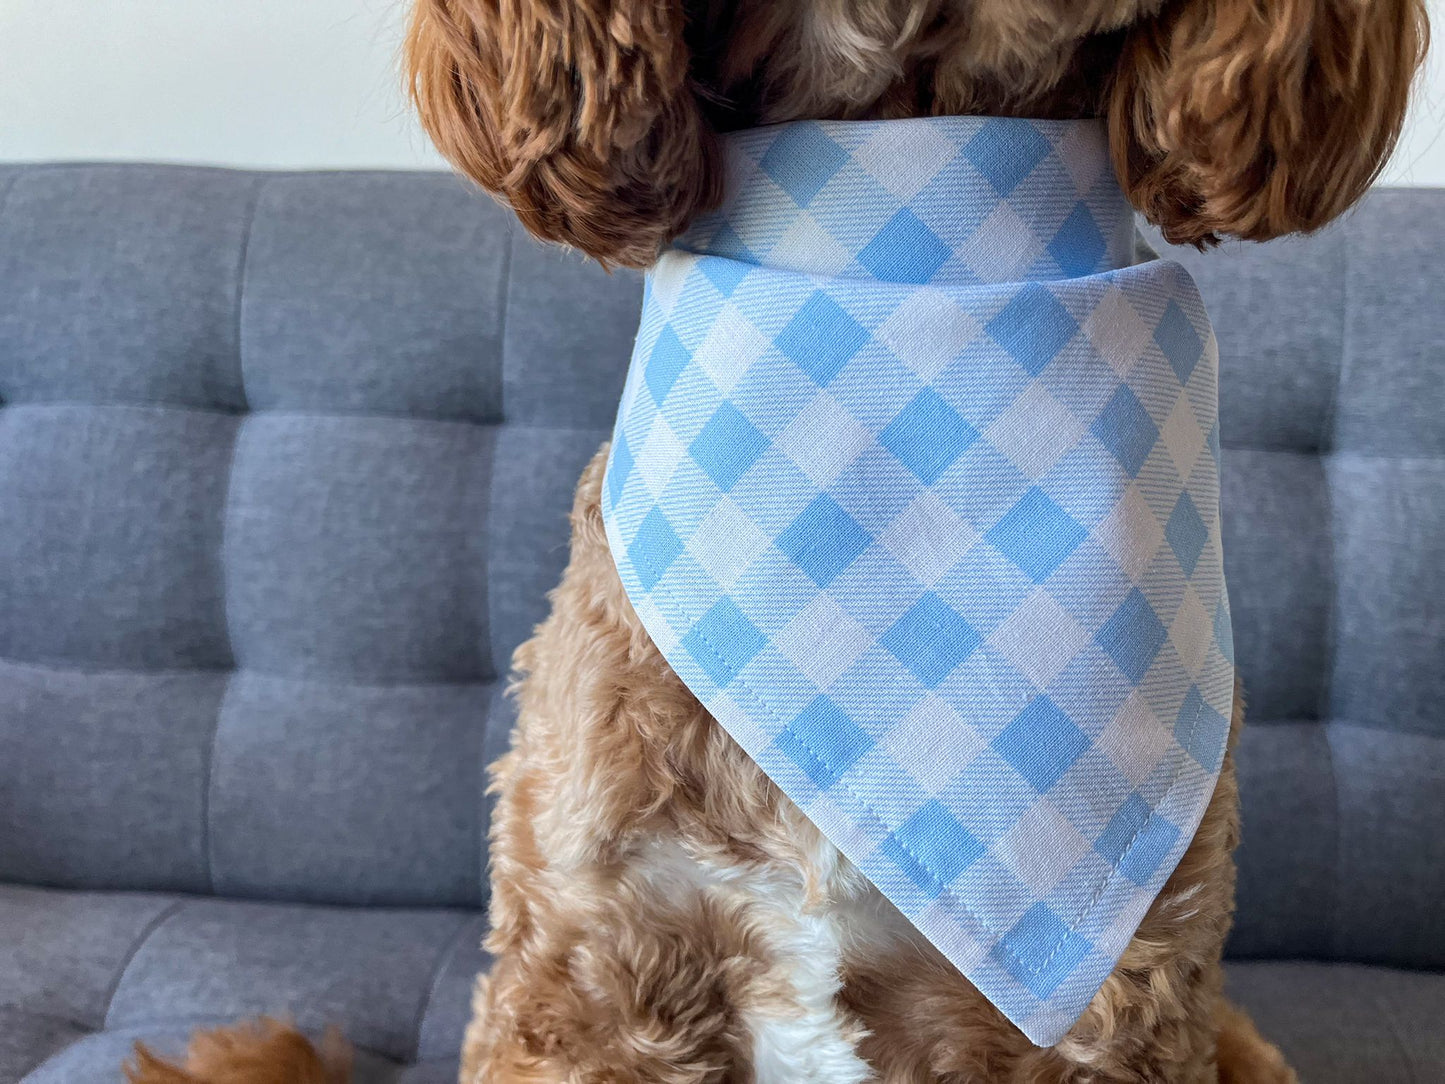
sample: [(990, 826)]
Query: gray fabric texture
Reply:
[(285, 462)]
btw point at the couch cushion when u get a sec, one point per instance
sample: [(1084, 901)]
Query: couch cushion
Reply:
[(83, 974), (1343, 1023), (285, 462)]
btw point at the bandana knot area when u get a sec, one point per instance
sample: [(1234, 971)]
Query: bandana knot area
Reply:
[(915, 484)]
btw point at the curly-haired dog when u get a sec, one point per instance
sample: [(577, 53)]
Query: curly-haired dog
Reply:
[(661, 912)]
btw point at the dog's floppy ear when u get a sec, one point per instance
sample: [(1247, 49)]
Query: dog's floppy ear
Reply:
[(579, 113), (1255, 118)]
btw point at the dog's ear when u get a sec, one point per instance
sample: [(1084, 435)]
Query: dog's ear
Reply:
[(580, 114), (1255, 118)]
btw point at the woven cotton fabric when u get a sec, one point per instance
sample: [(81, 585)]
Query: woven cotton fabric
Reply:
[(915, 484)]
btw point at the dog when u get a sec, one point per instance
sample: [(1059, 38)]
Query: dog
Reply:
[(661, 912)]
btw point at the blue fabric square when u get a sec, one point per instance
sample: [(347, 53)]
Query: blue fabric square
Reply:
[(1041, 951), (1186, 533), (823, 540), (618, 469), (1137, 840), (1119, 834), (724, 274), (1132, 636), (930, 639), (1033, 327), (1078, 246), (723, 641), (1041, 744), (1201, 731), (727, 244), (821, 338), (1153, 844), (904, 250), (1179, 341), (666, 363), (824, 742), (802, 160), (1037, 535), (1224, 631), (654, 549), (932, 848), (1125, 428), (928, 435), (727, 446), (1006, 153)]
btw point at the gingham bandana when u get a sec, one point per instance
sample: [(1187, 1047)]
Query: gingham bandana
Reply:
[(915, 483)]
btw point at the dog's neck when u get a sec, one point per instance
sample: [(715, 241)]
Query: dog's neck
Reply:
[(895, 201)]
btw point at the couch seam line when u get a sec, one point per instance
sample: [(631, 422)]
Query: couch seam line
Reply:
[(601, 431), (481, 834), (1337, 896), (9, 188), (65, 667), (145, 935), (503, 320), (5, 206), (209, 768), (208, 780), (1392, 1025), (1328, 440), (1325, 699), (243, 264), (448, 953)]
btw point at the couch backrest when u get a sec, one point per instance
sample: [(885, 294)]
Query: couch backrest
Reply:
[(285, 461)]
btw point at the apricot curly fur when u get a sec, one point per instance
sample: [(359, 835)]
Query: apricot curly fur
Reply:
[(264, 1052), (595, 119)]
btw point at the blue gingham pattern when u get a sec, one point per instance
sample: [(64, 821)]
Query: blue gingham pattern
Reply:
[(915, 485)]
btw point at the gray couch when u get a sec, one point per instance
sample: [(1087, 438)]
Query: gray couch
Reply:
[(284, 462)]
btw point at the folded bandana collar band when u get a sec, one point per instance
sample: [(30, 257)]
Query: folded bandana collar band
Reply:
[(915, 483)]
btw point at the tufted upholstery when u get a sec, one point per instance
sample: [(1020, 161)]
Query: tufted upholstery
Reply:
[(284, 466)]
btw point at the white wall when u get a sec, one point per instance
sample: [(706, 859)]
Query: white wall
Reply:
[(287, 83), (293, 83)]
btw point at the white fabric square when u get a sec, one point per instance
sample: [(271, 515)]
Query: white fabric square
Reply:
[(1034, 431), (934, 743), (1131, 533), (927, 331), (1183, 437), (1082, 148), (730, 349), (822, 641), (1002, 246), (726, 542), (667, 278), (823, 439), (659, 455), (963, 949), (927, 151), (1192, 631), (1042, 847), (1134, 740), (657, 625), (1040, 638), (810, 246), (1117, 332), (928, 538)]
